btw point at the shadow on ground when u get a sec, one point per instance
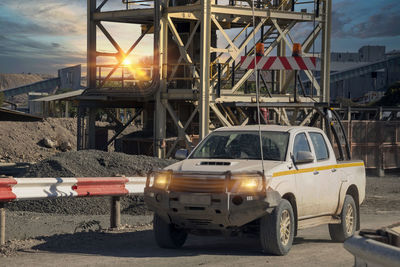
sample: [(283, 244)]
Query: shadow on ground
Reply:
[(141, 244)]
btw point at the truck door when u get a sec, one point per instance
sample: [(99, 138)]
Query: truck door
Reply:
[(305, 180), (327, 179)]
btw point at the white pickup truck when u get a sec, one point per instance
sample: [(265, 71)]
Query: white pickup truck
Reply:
[(229, 185)]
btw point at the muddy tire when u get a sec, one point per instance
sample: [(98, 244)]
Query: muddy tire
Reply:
[(347, 227), (168, 235), (277, 229)]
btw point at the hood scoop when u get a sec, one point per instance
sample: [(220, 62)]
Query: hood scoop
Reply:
[(215, 163)]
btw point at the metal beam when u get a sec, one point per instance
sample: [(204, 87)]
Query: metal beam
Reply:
[(189, 41), (91, 44), (98, 9), (221, 117), (123, 127), (184, 129), (178, 123), (181, 46), (326, 51), (264, 13), (205, 43), (231, 44)]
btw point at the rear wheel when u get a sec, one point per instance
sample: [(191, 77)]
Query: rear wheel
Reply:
[(277, 229), (347, 227), (168, 235)]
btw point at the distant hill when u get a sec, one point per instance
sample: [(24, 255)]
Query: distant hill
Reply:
[(8, 81)]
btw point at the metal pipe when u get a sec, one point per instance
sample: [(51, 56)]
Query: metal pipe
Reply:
[(295, 86), (233, 74), (2, 224), (317, 9), (219, 80)]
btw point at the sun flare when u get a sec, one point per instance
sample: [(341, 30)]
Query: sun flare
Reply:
[(126, 62)]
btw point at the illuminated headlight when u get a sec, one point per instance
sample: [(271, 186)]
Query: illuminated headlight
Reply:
[(247, 183), (159, 180)]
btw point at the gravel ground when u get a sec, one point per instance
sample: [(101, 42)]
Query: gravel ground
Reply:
[(32, 235), (90, 163), (382, 194)]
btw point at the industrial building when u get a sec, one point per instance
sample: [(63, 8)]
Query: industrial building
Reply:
[(363, 76)]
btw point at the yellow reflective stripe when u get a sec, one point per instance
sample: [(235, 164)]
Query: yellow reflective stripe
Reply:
[(354, 164), (320, 168)]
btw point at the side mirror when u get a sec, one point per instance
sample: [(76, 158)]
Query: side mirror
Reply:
[(181, 154), (303, 157)]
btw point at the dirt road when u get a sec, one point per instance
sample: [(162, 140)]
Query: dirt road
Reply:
[(48, 240), (136, 247)]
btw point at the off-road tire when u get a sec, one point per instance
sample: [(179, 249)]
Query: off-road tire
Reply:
[(168, 235), (272, 241), (347, 227)]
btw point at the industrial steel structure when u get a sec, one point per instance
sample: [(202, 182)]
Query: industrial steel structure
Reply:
[(196, 80)]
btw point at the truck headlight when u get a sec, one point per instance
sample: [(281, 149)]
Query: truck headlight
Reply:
[(159, 180), (247, 183)]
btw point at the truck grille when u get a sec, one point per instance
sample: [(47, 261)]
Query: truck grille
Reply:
[(200, 184)]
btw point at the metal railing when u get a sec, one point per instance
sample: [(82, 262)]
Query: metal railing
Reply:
[(125, 76)]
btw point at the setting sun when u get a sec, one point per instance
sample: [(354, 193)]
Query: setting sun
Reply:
[(126, 61)]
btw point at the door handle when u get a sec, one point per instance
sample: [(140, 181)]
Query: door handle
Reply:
[(316, 172), (333, 170)]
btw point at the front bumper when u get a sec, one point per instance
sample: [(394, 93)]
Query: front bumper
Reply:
[(211, 211)]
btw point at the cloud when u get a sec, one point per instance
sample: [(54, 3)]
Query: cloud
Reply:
[(339, 22), (379, 25), (44, 17), (349, 21), (41, 37)]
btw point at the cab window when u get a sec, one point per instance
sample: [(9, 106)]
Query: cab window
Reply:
[(300, 144), (320, 147)]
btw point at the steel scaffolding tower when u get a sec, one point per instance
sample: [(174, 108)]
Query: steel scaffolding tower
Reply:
[(196, 62)]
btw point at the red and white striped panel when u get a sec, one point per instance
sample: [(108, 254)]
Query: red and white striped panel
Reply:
[(37, 188), (279, 63)]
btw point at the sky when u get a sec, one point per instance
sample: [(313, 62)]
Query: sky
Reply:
[(42, 36)]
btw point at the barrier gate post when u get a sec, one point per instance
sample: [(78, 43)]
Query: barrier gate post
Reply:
[(115, 216), (2, 224)]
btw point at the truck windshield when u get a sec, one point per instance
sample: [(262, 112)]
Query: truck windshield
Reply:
[(243, 145)]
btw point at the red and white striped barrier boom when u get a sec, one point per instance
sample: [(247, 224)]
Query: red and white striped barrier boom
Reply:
[(36, 188), (279, 63)]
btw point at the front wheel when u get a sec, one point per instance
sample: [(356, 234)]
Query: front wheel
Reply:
[(168, 235), (347, 227), (277, 229)]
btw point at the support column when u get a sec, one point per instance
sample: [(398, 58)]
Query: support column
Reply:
[(66, 109), (80, 142), (91, 129), (91, 45), (115, 216), (205, 41), (281, 52), (160, 125), (326, 52), (2, 224)]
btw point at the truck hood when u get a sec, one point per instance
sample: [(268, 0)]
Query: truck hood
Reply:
[(223, 165)]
